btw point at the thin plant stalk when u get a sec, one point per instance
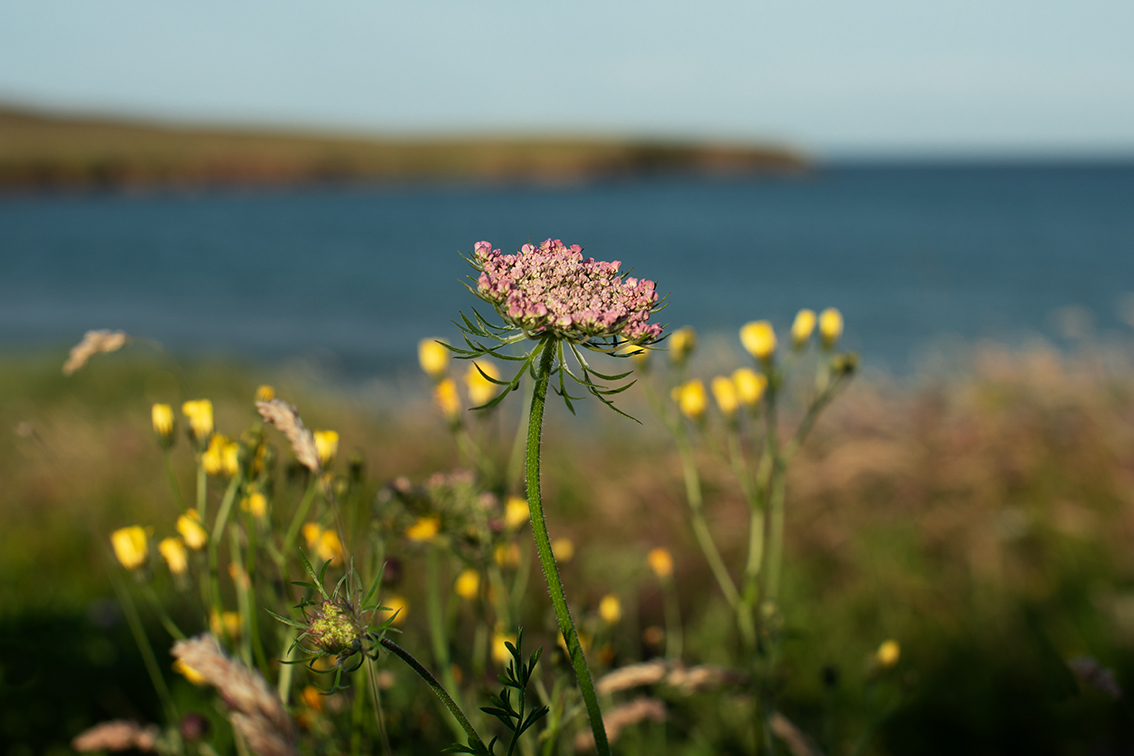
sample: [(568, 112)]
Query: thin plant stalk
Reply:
[(143, 642), (547, 557), (437, 629), (173, 480)]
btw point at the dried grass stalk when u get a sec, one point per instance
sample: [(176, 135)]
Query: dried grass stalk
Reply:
[(620, 717), (255, 710), (796, 740), (632, 676), (286, 418), (117, 735), (687, 680), (94, 342)]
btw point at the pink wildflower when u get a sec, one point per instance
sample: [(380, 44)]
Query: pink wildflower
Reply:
[(553, 288)]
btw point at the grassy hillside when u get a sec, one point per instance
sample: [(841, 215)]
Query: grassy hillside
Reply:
[(49, 151)]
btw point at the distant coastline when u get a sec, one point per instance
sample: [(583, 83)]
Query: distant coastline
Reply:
[(49, 151)]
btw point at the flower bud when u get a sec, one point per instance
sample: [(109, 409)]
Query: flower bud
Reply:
[(750, 386), (445, 394), (265, 393), (131, 546), (802, 327), (334, 629), (682, 342), (433, 357), (256, 504), (759, 338), (189, 526), (830, 326), (690, 398), (327, 446), (887, 654), (724, 391), (468, 584), (424, 529), (516, 512), (188, 673), (563, 549), (199, 412), (610, 609), (162, 415), (482, 390), (844, 364), (222, 457), (661, 562), (173, 552)]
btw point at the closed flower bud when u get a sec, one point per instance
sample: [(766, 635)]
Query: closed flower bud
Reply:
[(750, 386), (844, 364), (445, 394), (173, 552), (467, 584), (759, 339), (830, 326), (188, 673), (802, 327), (661, 562), (265, 393), (256, 504), (690, 398), (327, 446), (334, 629), (887, 654), (682, 342), (482, 390), (563, 549), (162, 415), (397, 607), (724, 391), (131, 546), (516, 512), (199, 412), (189, 526), (433, 358), (222, 457), (424, 529), (610, 609)]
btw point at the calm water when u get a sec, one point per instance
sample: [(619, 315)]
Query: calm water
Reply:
[(356, 276)]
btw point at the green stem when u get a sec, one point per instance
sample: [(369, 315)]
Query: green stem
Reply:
[(166, 621), (202, 489), (173, 480), (437, 688), (300, 515), (547, 558), (437, 627), (376, 697), (144, 647)]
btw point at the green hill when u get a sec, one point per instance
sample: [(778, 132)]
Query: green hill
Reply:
[(45, 151)]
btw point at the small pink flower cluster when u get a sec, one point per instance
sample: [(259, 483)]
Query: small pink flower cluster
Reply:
[(554, 288)]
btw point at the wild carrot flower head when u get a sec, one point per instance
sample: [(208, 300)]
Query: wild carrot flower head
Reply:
[(552, 288)]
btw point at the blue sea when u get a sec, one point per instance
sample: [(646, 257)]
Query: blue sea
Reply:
[(913, 255)]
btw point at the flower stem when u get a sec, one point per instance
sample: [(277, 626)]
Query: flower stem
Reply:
[(438, 689), (543, 546)]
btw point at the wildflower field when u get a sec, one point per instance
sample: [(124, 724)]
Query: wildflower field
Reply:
[(757, 551)]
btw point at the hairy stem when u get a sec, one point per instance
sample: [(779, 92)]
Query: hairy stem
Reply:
[(547, 558)]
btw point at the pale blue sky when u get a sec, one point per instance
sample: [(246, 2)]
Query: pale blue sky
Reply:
[(833, 77)]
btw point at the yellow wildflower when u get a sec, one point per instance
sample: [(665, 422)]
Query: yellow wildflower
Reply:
[(563, 549), (424, 529), (445, 394), (325, 544), (326, 445), (482, 390), (750, 386), (397, 606), (759, 338), (468, 584), (610, 609), (191, 530), (131, 546), (255, 504), (682, 342), (173, 551), (162, 415), (516, 512), (661, 562), (500, 653), (639, 355), (724, 391), (265, 393), (802, 327), (312, 698), (690, 398), (222, 457), (506, 554), (188, 673), (887, 654), (199, 412), (830, 326), (227, 623), (433, 358)]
